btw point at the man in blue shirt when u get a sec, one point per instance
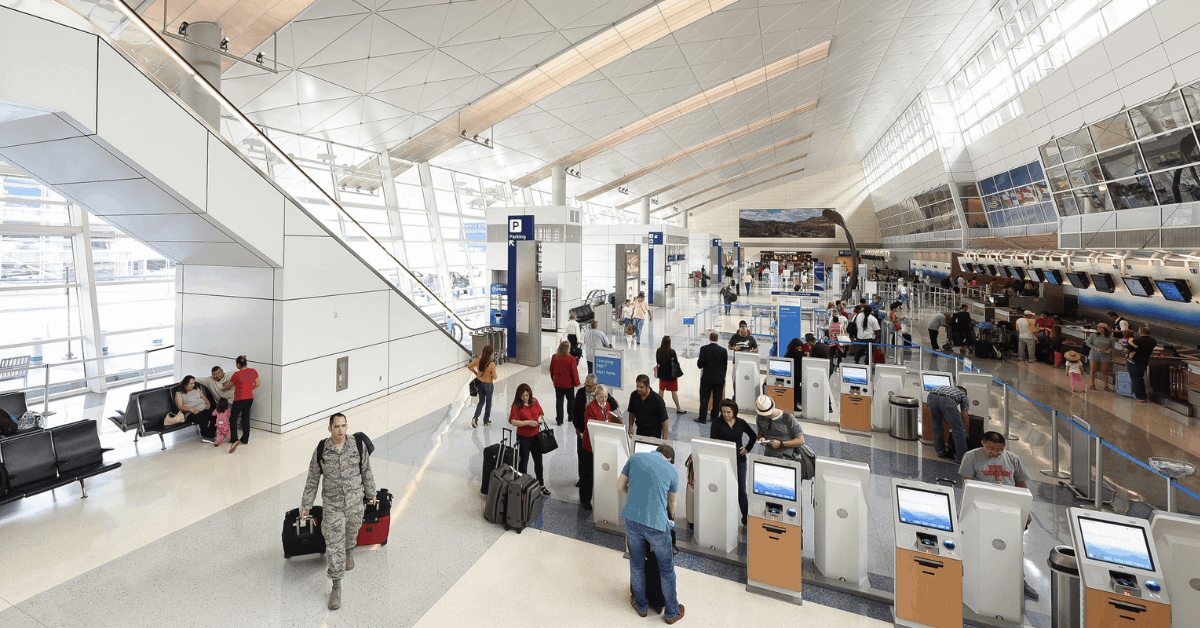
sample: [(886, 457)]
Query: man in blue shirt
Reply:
[(651, 483)]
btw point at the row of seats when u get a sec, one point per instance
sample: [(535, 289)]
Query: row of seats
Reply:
[(146, 412), (43, 460)]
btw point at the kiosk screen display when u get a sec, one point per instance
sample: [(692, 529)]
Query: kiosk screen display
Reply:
[(929, 381), (928, 509), (1116, 543), (1174, 290), (1138, 286), (854, 375), (777, 481), (779, 368), (1053, 276), (640, 447), (1036, 274)]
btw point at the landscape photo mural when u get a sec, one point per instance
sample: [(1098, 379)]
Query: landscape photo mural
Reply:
[(785, 223)]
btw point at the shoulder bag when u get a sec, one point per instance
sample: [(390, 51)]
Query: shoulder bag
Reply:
[(808, 461), (546, 438), (175, 418), (676, 370), (473, 387)]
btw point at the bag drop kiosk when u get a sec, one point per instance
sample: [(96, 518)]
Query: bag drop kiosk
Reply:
[(610, 450), (978, 386), (745, 379), (856, 398), (888, 378), (815, 398), (774, 537), (716, 511), (840, 518), (1177, 541), (929, 381), (993, 520), (928, 573), (781, 382), (1123, 583)]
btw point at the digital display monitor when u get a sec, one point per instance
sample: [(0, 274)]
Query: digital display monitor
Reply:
[(1052, 276), (779, 368), (1139, 286), (1079, 280), (640, 447), (929, 381), (1036, 274), (1116, 543), (992, 270), (928, 509), (772, 480), (1007, 271), (854, 375), (1017, 272), (1103, 282), (1174, 290)]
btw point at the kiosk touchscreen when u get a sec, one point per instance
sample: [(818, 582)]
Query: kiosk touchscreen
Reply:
[(774, 538), (1123, 583), (856, 398), (840, 516), (781, 382), (993, 520), (1177, 541), (816, 400), (928, 572), (610, 450), (717, 514)]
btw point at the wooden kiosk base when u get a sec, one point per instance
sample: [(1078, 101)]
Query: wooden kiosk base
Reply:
[(856, 413), (1106, 609), (773, 553), (928, 590), (785, 398)]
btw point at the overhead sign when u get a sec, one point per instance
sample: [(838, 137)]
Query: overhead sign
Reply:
[(655, 237), (737, 244), (608, 367), (716, 241)]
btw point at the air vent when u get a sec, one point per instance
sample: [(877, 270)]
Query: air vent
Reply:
[(1137, 239), (1180, 238), (1068, 241), (1100, 240)]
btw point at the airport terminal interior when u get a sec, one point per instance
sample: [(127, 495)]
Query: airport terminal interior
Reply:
[(952, 247)]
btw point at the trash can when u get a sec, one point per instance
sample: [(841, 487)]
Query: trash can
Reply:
[(669, 295), (1064, 588), (905, 416)]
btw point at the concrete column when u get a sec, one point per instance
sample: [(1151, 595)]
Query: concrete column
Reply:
[(208, 64), (645, 210), (558, 185), (683, 220)]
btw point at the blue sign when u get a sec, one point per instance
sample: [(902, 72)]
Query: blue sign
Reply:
[(519, 228), (790, 326), (608, 368), (819, 276), (737, 244), (716, 241), (689, 321), (655, 237), (843, 253)]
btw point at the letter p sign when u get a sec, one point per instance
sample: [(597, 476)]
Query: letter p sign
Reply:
[(514, 225)]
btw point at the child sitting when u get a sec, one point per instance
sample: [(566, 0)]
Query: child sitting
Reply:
[(1073, 367), (222, 414)]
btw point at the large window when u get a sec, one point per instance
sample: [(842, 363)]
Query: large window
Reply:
[(1017, 197), (908, 140), (924, 213)]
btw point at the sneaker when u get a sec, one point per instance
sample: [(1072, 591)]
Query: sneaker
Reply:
[(208, 440), (335, 597), (675, 618), (633, 603), (681, 412)]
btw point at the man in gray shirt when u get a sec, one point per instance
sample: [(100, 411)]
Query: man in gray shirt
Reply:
[(936, 324), (778, 431), (993, 465), (594, 339)]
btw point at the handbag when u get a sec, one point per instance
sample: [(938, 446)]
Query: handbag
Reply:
[(546, 439), (808, 462), (676, 370), (174, 418), (473, 387), (630, 330)]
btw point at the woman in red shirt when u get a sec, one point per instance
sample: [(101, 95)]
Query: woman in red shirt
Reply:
[(526, 416), (245, 380), (564, 373), (600, 409)]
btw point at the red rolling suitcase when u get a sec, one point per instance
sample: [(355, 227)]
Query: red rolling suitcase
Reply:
[(377, 520)]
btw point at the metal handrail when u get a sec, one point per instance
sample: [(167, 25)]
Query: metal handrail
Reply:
[(45, 368)]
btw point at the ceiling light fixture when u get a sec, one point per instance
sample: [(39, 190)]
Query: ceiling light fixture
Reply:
[(623, 190), (258, 58)]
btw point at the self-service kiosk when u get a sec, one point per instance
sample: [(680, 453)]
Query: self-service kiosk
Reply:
[(993, 525), (978, 387), (929, 583), (781, 378), (746, 379), (840, 518), (716, 510), (774, 538), (1123, 582), (1177, 541), (816, 400), (888, 378), (856, 398), (610, 450), (929, 381)]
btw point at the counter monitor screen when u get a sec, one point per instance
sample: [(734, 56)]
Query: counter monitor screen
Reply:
[(1007, 271), (1017, 273), (779, 368), (928, 509), (1103, 282), (1079, 280), (772, 480), (1037, 275), (1139, 286), (854, 375), (1174, 290), (1052, 276), (1116, 543), (640, 447), (929, 381), (992, 270)]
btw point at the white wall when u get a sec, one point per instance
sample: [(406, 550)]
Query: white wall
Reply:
[(842, 188)]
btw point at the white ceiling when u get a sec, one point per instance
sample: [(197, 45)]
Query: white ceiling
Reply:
[(375, 73)]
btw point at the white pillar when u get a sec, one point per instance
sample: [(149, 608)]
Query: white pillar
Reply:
[(683, 220), (89, 309), (645, 210), (208, 64), (558, 185)]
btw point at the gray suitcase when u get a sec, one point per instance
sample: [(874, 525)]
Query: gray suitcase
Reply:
[(497, 497), (524, 502)]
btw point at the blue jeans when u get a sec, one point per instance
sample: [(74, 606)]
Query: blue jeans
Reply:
[(485, 396), (637, 324), (1137, 379), (946, 409), (637, 535), (747, 287)]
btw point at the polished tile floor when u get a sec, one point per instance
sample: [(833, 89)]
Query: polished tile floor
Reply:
[(189, 535)]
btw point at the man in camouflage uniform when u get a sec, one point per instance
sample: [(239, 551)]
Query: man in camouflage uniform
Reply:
[(348, 479)]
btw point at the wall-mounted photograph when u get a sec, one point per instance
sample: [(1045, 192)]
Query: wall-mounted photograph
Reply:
[(784, 223)]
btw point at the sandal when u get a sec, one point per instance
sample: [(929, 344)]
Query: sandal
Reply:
[(474, 424), (1107, 389), (545, 491), (1093, 387)]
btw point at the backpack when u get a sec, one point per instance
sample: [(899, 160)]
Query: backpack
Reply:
[(360, 440), (852, 328), (8, 426)]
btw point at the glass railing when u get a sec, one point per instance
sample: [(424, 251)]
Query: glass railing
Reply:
[(114, 20)]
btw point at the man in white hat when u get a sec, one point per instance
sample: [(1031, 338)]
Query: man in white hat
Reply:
[(1027, 336), (778, 431)]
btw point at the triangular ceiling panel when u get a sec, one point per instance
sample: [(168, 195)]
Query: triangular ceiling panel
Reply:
[(425, 22), (349, 74), (387, 38), (309, 38)]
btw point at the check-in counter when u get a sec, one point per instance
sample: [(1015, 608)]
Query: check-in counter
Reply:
[(981, 311)]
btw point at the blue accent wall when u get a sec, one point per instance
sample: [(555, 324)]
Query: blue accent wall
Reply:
[(1144, 311)]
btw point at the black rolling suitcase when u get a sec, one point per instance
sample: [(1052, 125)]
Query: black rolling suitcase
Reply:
[(974, 435), (497, 497), (524, 502), (302, 538), (502, 452)]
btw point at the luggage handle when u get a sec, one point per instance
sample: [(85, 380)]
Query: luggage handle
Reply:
[(505, 441)]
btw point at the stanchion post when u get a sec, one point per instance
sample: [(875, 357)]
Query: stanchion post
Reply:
[(1004, 400), (1170, 496), (145, 369), (1099, 487), (46, 388), (1053, 471)]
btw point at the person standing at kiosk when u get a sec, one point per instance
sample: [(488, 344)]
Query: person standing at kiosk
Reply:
[(778, 431), (651, 484), (731, 428), (992, 464), (647, 411), (945, 403)]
